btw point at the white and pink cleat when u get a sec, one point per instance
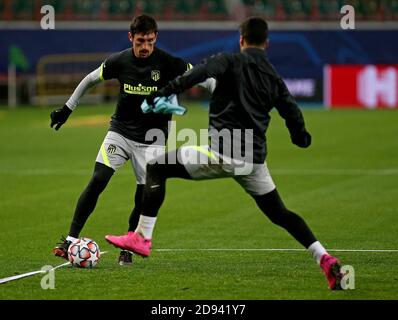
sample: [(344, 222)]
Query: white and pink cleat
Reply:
[(132, 241)]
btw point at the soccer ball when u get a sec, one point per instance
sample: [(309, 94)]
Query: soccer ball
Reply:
[(84, 253)]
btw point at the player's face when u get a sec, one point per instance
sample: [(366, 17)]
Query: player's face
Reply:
[(143, 44)]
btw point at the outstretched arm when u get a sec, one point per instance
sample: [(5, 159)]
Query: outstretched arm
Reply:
[(211, 68), (61, 115), (289, 110), (88, 82), (209, 84)]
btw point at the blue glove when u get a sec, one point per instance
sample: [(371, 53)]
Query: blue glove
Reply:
[(163, 105)]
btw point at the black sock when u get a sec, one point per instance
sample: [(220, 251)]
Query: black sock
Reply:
[(272, 206), (154, 191), (135, 214), (155, 187), (88, 199)]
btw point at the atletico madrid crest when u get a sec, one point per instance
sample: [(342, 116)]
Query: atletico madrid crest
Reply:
[(155, 75), (111, 149)]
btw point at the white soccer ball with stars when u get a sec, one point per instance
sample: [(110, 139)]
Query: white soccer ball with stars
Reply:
[(84, 253)]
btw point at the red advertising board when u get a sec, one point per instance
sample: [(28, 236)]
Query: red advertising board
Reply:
[(361, 86)]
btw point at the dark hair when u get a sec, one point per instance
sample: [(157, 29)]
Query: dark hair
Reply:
[(254, 30), (144, 24)]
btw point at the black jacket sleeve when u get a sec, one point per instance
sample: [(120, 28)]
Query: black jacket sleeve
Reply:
[(289, 110), (211, 68)]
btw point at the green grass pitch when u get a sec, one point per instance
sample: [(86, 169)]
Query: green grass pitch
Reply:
[(345, 186)]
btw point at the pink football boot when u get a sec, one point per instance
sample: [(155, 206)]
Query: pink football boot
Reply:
[(331, 268), (132, 241)]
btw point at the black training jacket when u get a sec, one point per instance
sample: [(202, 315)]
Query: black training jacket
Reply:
[(248, 87)]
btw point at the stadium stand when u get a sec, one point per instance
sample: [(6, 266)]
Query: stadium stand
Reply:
[(320, 10), (59, 74), (279, 10)]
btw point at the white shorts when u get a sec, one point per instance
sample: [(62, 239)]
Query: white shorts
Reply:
[(203, 163), (116, 150)]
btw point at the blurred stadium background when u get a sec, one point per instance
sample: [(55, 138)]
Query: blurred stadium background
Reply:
[(323, 65)]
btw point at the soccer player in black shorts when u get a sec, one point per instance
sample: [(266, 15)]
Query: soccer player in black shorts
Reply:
[(248, 87), (141, 69)]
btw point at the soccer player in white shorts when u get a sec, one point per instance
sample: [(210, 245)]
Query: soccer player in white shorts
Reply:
[(140, 69)]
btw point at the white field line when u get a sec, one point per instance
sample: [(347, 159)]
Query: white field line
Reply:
[(355, 172), (20, 276), (284, 249), (83, 172), (32, 273)]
